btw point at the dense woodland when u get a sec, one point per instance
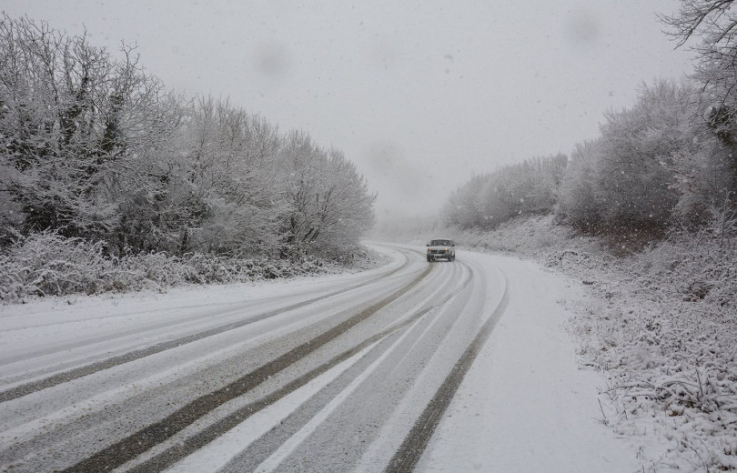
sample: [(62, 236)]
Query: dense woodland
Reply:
[(96, 151), (92, 146)]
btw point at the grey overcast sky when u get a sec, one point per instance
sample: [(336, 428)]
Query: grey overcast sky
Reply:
[(419, 94)]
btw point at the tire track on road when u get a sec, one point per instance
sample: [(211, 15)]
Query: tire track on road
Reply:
[(138, 443), (409, 453), (86, 370), (177, 452)]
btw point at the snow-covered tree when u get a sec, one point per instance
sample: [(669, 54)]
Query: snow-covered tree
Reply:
[(71, 120), (328, 200), (711, 27), (521, 189), (577, 202), (462, 207), (656, 163), (93, 147), (229, 163), (635, 178)]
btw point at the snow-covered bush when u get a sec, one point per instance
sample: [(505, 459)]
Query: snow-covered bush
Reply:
[(46, 264), (327, 201), (462, 207), (72, 120), (663, 328), (657, 165), (705, 176), (522, 189), (93, 147)]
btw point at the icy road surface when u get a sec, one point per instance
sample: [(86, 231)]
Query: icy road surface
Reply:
[(461, 366)]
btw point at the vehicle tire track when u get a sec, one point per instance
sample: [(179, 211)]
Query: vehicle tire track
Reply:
[(113, 422), (86, 370), (409, 453), (138, 443), (380, 381), (184, 448)]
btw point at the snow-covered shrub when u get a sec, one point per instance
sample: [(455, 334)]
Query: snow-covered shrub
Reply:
[(46, 264), (663, 328), (522, 189), (462, 207), (327, 200), (627, 179), (705, 177), (72, 121)]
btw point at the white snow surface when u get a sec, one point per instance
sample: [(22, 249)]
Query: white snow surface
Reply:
[(524, 406), (660, 325)]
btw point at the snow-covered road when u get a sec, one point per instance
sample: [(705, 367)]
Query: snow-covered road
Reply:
[(461, 366)]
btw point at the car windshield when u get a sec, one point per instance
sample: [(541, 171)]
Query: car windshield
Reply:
[(440, 243)]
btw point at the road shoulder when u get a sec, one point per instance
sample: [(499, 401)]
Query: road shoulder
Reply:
[(525, 406)]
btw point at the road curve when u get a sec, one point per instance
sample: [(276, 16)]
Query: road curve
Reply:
[(347, 373)]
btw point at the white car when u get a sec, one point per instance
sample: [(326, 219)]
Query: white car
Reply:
[(441, 249)]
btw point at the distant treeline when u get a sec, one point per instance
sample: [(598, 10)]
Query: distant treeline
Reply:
[(668, 161), (671, 159), (93, 147)]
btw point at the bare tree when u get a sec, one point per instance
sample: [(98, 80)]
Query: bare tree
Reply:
[(71, 118), (328, 199), (715, 24), (230, 178)]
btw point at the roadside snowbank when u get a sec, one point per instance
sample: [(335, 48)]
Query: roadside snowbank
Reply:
[(524, 406), (661, 325)]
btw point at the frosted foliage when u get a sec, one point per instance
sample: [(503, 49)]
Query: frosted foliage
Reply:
[(92, 147), (577, 196), (664, 330), (46, 264), (328, 200), (70, 117), (462, 207), (227, 161), (709, 174), (655, 165), (662, 163), (704, 178), (528, 188), (524, 189), (634, 174)]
